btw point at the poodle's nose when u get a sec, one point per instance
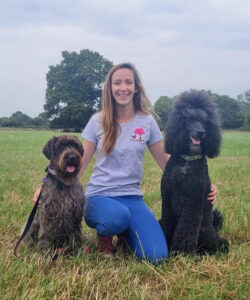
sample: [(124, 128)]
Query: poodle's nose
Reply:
[(201, 134)]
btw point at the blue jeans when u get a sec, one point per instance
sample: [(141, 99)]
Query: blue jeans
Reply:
[(128, 215)]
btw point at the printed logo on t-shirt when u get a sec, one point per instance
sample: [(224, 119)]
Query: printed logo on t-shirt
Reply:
[(137, 136)]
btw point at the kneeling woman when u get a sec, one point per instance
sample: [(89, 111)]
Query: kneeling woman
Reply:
[(120, 134)]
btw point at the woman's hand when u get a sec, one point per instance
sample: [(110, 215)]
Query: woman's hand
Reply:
[(212, 195), (36, 195)]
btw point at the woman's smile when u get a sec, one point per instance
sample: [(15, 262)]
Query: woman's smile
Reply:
[(123, 86)]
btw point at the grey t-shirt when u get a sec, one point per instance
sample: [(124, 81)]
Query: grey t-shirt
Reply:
[(120, 173)]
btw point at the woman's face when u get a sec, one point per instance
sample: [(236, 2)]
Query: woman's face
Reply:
[(123, 87)]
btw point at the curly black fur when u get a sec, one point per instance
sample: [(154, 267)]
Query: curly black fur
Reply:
[(59, 219), (187, 219)]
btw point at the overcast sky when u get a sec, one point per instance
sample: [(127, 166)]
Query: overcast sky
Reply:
[(175, 44)]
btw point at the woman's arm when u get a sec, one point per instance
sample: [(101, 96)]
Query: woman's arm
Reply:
[(89, 150), (158, 153)]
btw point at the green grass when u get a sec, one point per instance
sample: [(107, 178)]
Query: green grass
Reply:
[(123, 277)]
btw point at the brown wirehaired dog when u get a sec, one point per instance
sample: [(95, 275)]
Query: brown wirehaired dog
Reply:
[(59, 219)]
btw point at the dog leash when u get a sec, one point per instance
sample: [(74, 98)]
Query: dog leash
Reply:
[(30, 220)]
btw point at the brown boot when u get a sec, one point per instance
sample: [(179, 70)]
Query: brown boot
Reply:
[(105, 246)]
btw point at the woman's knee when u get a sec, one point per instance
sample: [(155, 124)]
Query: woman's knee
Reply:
[(107, 215), (152, 247), (153, 255)]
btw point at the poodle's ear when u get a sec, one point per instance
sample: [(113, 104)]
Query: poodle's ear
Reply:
[(176, 142), (168, 137), (48, 148), (175, 134), (168, 144), (213, 139)]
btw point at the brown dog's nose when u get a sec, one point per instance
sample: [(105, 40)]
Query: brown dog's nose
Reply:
[(71, 158)]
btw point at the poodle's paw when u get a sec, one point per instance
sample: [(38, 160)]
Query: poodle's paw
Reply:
[(214, 245), (217, 219), (186, 245)]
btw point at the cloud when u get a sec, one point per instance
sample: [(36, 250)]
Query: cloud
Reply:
[(175, 45)]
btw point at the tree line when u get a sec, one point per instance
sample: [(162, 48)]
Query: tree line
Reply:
[(233, 113), (73, 94)]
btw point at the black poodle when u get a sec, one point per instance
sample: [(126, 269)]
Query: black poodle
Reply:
[(192, 134)]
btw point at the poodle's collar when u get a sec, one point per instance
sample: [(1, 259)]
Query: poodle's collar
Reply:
[(191, 157)]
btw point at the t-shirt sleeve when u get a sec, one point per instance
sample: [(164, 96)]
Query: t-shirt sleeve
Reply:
[(89, 132), (155, 133)]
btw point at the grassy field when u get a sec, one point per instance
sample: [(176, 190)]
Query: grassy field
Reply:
[(123, 277)]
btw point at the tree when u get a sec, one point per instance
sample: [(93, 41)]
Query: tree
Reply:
[(20, 117), (244, 102), (17, 119), (163, 107), (5, 122), (140, 132), (228, 110), (74, 87), (40, 121)]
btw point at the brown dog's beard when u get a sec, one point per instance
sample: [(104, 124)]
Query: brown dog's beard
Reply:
[(67, 166)]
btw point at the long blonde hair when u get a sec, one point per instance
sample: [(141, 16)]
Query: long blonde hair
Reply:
[(109, 121)]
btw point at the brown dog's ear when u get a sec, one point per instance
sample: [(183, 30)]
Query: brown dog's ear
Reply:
[(49, 147), (80, 147), (79, 144)]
